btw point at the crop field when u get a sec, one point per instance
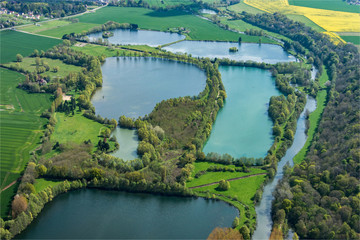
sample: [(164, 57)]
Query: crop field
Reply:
[(165, 3), (200, 29), (20, 127), (76, 129), (69, 28), (241, 6), (335, 5), (64, 69), (42, 26), (353, 39), (332, 21), (12, 43)]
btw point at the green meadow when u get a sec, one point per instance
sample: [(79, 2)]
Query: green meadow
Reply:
[(200, 29), (12, 43), (66, 29), (42, 26)]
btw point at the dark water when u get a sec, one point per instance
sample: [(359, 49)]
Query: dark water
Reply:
[(97, 214), (267, 53), (128, 141), (133, 86), (263, 210), (243, 126), (139, 37)]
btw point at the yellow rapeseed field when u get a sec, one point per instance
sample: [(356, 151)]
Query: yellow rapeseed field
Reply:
[(332, 21)]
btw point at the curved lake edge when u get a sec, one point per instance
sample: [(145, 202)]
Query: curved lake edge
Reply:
[(134, 194)]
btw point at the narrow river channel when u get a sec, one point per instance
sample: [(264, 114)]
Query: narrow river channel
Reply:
[(263, 210)]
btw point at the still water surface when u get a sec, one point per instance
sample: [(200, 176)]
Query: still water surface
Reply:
[(139, 37), (133, 86), (242, 126), (268, 53), (97, 214), (128, 141)]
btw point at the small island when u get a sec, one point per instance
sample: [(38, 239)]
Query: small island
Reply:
[(107, 34), (233, 49)]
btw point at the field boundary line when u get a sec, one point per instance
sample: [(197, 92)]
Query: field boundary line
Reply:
[(232, 179)]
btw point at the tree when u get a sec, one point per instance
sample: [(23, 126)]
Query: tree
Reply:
[(18, 205), (224, 233), (37, 61), (56, 69), (245, 232), (19, 57), (224, 185)]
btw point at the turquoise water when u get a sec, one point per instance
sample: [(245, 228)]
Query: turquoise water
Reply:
[(268, 53), (128, 141), (97, 214), (139, 37), (242, 126), (133, 86)]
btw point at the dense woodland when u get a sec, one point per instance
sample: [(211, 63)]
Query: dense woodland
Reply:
[(47, 9)]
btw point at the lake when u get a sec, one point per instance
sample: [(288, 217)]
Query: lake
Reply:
[(263, 210), (128, 141), (133, 86), (98, 214), (139, 37), (242, 126), (268, 53)]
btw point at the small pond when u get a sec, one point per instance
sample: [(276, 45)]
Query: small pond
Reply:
[(133, 86), (242, 126), (128, 141), (268, 53), (97, 214), (139, 37)]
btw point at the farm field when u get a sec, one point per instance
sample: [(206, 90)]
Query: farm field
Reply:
[(42, 26), (335, 5), (165, 3), (64, 69), (20, 126), (353, 39), (332, 21), (200, 29), (12, 43), (58, 32)]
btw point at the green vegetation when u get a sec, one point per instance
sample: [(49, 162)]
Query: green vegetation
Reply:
[(306, 21), (41, 183), (353, 39), (335, 5), (166, 3), (240, 7), (66, 29), (314, 118), (13, 42), (76, 129), (42, 26), (29, 64), (20, 129), (200, 29)]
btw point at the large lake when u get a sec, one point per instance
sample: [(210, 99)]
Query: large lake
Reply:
[(139, 37), (242, 126), (97, 214), (133, 86), (267, 53)]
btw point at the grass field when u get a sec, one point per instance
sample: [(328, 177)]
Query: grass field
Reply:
[(42, 26), (240, 7), (96, 50), (41, 184), (314, 119), (306, 21), (200, 29), (69, 28), (76, 129), (335, 5), (64, 69), (332, 21), (20, 127), (353, 39), (164, 3), (12, 43)]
